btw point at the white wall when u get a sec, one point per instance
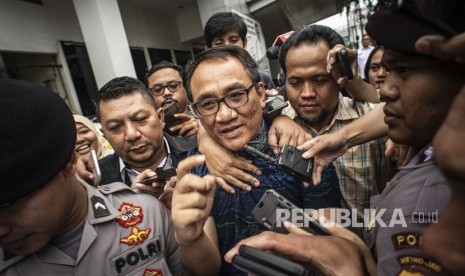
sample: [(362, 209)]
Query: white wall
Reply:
[(189, 24), (26, 27), (147, 28)]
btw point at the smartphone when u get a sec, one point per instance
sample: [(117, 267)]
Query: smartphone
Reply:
[(258, 262), (342, 58), (446, 15), (95, 168), (273, 107), (170, 120), (290, 160), (162, 175), (265, 212)]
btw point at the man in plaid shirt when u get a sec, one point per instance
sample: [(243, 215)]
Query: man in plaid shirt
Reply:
[(320, 108)]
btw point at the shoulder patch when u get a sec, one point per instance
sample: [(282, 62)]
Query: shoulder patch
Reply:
[(99, 207)]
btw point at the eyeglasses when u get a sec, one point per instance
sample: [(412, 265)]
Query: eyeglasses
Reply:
[(172, 86), (235, 99)]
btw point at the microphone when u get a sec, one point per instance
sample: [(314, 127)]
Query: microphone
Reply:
[(272, 52), (253, 151)]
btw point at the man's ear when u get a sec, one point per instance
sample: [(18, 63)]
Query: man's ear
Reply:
[(70, 167), (245, 42), (161, 116), (261, 93)]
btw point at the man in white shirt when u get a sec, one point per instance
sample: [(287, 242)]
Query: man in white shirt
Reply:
[(363, 54)]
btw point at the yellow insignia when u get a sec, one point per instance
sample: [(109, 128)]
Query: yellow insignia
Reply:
[(137, 236)]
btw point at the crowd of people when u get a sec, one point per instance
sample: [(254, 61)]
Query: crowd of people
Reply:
[(407, 96)]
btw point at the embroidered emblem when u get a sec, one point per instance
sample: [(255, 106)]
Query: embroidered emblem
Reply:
[(130, 215), (98, 207), (404, 272), (153, 272), (137, 236), (412, 265)]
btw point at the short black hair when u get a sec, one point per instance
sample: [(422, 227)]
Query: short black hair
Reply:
[(122, 86), (223, 52), (159, 66), (221, 23), (309, 34)]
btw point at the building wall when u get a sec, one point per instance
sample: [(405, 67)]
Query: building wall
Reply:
[(26, 27), (147, 28), (189, 24)]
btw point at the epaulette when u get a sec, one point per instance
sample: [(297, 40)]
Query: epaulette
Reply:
[(114, 188)]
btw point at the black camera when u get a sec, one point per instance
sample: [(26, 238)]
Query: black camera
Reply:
[(273, 107), (289, 160), (342, 58)]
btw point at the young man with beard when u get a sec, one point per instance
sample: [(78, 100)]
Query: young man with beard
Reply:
[(224, 85), (418, 92), (320, 108), (165, 81)]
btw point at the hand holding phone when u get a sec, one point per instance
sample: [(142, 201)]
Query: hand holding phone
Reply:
[(266, 213), (273, 107), (161, 175), (345, 67), (258, 262), (93, 162), (290, 160), (170, 121)]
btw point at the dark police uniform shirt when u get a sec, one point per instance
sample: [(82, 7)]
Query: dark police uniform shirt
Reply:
[(233, 212), (124, 233), (411, 201)]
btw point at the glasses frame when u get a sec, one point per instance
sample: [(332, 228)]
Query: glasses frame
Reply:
[(223, 100), (166, 86)]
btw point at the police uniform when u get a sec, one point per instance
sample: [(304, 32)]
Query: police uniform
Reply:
[(124, 233), (411, 201)]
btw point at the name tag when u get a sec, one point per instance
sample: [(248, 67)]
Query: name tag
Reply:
[(137, 256)]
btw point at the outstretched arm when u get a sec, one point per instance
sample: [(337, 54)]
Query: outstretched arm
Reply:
[(343, 253), (326, 148), (195, 229)]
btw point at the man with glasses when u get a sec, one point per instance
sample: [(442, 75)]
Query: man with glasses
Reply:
[(165, 82), (224, 85)]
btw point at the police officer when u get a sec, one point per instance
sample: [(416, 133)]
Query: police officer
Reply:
[(51, 223)]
